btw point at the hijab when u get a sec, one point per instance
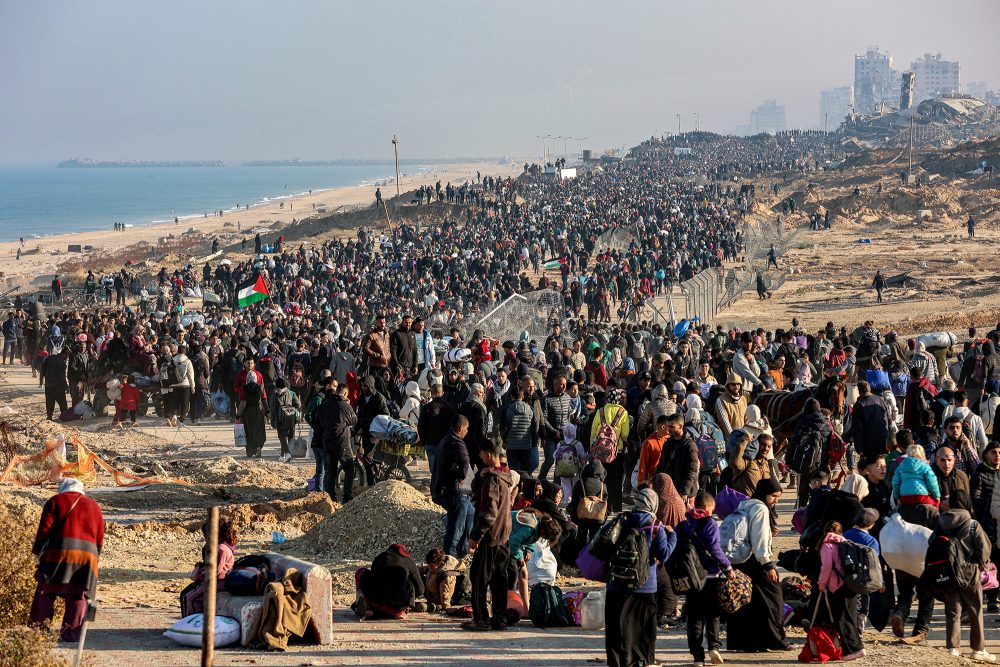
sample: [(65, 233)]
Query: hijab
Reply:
[(646, 501), (766, 487), (670, 510)]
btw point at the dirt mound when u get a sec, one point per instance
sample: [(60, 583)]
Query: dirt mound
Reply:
[(228, 471), (963, 158), (388, 512)]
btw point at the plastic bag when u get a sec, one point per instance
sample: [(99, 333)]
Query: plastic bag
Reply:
[(187, 631), (239, 436), (903, 545)]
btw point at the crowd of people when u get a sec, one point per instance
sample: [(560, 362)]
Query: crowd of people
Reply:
[(537, 445)]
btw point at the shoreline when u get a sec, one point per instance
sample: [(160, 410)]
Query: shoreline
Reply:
[(38, 267), (379, 181)]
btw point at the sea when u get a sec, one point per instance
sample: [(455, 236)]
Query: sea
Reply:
[(38, 201)]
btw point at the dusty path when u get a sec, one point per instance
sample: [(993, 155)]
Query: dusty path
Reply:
[(142, 572)]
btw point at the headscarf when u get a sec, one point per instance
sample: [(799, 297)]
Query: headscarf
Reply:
[(71, 485), (855, 484), (646, 501), (670, 510)]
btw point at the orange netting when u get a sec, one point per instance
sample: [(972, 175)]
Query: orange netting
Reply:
[(50, 464)]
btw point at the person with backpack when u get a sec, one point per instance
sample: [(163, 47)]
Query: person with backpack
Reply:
[(759, 625), (321, 392), (630, 600), (708, 439), (588, 505), (920, 395), (864, 522), (842, 603), (703, 612), (609, 429), (961, 541), (570, 457), (285, 406)]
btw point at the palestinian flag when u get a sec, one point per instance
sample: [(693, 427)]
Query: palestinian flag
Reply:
[(252, 291), (552, 264)]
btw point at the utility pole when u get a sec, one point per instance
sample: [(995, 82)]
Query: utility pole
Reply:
[(395, 148), (909, 173), (211, 581)]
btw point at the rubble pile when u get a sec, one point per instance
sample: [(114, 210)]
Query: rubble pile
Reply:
[(386, 513)]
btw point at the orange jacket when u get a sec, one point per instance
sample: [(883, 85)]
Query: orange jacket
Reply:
[(649, 457)]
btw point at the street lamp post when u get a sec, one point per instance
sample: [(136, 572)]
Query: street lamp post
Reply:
[(697, 122), (678, 125)]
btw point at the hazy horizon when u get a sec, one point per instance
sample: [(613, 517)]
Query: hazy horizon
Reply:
[(324, 81)]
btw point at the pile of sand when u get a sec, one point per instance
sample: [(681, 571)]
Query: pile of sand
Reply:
[(384, 514), (228, 471)]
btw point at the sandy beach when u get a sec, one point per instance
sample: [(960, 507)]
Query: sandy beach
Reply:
[(46, 254)]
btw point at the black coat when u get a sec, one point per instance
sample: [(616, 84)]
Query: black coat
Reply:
[(403, 347), (451, 466), (393, 581), (475, 412), (869, 425), (435, 422), (334, 422), (54, 371)]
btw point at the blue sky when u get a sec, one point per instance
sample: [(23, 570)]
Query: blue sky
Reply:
[(255, 80)]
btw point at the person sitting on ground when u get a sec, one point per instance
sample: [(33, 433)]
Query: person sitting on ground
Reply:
[(390, 587), (444, 574), (193, 597)]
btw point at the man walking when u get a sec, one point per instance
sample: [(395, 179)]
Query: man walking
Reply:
[(490, 535), (53, 378), (879, 284)]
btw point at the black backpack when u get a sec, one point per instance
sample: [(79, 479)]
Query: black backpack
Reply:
[(860, 567), (947, 566), (687, 574), (629, 566)]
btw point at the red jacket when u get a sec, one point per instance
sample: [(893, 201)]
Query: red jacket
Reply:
[(241, 381), (69, 542), (130, 398)]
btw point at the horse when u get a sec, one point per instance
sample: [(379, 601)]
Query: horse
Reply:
[(783, 408)]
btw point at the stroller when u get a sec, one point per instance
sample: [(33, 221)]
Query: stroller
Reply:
[(394, 440)]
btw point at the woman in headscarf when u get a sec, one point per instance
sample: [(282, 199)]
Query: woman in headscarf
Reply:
[(670, 512), (549, 504), (630, 614), (252, 412), (759, 625), (390, 587)]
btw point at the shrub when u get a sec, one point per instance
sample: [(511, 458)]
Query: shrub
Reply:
[(17, 567), (29, 647)]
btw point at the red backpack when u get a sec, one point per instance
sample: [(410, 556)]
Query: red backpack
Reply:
[(835, 446), (604, 448)]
